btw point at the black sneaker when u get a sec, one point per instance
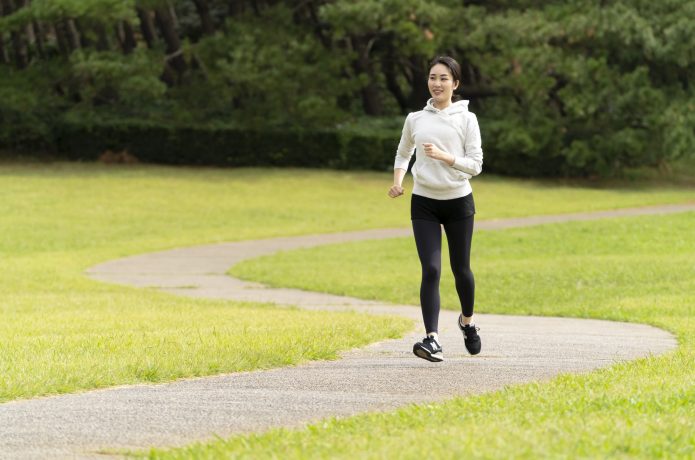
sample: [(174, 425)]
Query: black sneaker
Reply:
[(429, 349), (470, 337)]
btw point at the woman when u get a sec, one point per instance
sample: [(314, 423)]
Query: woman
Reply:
[(448, 137)]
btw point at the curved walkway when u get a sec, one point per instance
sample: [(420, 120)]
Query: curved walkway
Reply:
[(381, 376)]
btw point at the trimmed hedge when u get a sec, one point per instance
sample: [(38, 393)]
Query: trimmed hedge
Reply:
[(225, 146)]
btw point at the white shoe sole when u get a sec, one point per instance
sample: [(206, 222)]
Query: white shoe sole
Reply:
[(435, 357)]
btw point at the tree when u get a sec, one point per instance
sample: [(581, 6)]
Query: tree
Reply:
[(389, 41), (203, 9), (19, 46), (166, 22), (578, 87)]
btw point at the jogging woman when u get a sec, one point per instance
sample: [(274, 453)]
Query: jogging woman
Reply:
[(449, 153)]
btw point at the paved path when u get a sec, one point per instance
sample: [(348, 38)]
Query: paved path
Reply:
[(381, 376)]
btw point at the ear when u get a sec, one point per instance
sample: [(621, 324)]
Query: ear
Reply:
[(456, 85)]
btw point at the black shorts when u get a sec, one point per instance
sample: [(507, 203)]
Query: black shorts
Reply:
[(442, 211)]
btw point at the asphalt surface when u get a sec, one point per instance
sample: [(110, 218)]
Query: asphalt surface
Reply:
[(381, 376)]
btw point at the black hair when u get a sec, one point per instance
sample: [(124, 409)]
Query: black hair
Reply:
[(455, 69)]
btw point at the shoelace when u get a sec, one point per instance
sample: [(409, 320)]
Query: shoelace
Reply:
[(433, 343), (473, 329)]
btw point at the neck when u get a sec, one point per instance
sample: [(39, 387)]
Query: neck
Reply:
[(441, 106)]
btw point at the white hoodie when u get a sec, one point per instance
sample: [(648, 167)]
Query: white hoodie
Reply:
[(454, 130)]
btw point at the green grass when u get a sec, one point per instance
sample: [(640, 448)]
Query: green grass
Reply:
[(62, 332), (568, 272), (635, 269)]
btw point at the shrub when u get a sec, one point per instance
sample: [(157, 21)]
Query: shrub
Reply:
[(227, 146)]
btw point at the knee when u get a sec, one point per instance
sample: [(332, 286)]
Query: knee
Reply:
[(431, 272), (463, 273)]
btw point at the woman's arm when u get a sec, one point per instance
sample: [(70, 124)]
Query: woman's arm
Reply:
[(397, 187), (436, 153), (406, 147), (472, 160)]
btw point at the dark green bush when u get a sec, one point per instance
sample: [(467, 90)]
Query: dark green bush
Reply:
[(227, 146)]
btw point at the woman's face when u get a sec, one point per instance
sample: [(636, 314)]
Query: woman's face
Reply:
[(441, 84)]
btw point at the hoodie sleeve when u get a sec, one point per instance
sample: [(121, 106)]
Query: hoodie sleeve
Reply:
[(472, 160), (406, 146)]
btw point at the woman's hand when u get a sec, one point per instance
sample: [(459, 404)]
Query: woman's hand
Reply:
[(395, 191), (435, 153)]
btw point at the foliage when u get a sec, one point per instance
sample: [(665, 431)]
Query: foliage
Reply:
[(186, 144), (274, 79), (588, 90), (561, 88), (132, 82), (27, 110), (56, 10)]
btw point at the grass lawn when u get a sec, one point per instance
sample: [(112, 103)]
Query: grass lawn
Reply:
[(633, 269), (62, 332)]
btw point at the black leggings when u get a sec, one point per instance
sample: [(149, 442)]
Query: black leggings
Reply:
[(428, 239)]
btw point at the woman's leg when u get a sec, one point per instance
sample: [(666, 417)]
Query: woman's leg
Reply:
[(459, 235), (428, 239)]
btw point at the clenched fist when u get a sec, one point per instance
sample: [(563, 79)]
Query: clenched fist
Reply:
[(395, 191), (435, 153)]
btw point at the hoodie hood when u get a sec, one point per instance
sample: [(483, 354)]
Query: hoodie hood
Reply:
[(456, 107)]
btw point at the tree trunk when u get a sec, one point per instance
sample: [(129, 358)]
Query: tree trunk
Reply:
[(165, 22), (389, 64), (61, 39), (29, 35), (205, 18), (21, 56), (19, 46), (85, 42), (236, 7), (174, 18), (39, 34), (147, 27), (371, 101), (126, 37), (103, 42), (418, 82), (318, 26), (256, 7), (73, 34), (68, 35), (29, 32), (394, 88), (4, 55)]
